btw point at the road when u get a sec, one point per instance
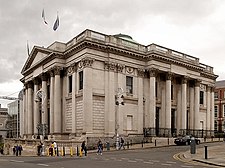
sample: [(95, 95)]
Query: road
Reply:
[(144, 158)]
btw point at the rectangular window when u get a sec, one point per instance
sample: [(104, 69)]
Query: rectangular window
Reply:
[(201, 97), (215, 125), (129, 85), (215, 95), (215, 111), (81, 80), (129, 122), (70, 83)]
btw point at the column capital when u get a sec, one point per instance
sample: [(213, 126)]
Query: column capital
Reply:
[(169, 76), (185, 79), (197, 82), (44, 77), (110, 66), (51, 73), (86, 62), (141, 72), (30, 84), (153, 72), (120, 67), (36, 81), (57, 70), (71, 69)]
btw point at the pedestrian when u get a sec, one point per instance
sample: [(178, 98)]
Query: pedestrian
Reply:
[(17, 150), (122, 143), (100, 147), (84, 148), (14, 150), (39, 149), (20, 149), (55, 148)]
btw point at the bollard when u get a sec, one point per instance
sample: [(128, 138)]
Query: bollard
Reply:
[(127, 145), (193, 146), (142, 144), (168, 141), (155, 142), (206, 152), (77, 151), (57, 151), (71, 151), (64, 152)]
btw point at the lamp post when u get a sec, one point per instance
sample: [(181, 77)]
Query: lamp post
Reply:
[(119, 100), (41, 127)]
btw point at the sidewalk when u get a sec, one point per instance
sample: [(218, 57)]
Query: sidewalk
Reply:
[(215, 155)]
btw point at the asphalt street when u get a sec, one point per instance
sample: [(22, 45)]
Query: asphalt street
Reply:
[(144, 158)]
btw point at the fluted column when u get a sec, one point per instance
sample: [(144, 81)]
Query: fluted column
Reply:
[(22, 115), (212, 110), (26, 111), (52, 83), (141, 74), (179, 108), (192, 101), (196, 111), (208, 107), (44, 99), (152, 104), (57, 102), (168, 100), (184, 103), (36, 107), (73, 72), (30, 109)]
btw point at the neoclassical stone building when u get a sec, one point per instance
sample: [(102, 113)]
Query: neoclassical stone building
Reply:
[(84, 82)]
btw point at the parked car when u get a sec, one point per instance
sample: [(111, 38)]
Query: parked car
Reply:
[(186, 140)]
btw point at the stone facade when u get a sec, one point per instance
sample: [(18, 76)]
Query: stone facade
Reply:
[(73, 87)]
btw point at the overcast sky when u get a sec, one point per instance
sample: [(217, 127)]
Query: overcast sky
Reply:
[(195, 27)]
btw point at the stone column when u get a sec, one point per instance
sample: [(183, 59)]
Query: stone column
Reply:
[(192, 100), (44, 99), (212, 110), (179, 108), (57, 102), (141, 74), (196, 108), (73, 71), (36, 107), (26, 111), (152, 104), (30, 109), (208, 107), (52, 83), (88, 95), (184, 103), (168, 100), (110, 110), (22, 115)]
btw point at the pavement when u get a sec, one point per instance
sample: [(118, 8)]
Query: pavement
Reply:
[(215, 155)]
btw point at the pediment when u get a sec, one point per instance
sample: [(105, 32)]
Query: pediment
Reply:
[(37, 54)]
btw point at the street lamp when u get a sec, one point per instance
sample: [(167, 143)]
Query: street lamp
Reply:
[(119, 100), (41, 127)]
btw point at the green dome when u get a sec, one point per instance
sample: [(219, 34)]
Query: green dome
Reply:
[(125, 37)]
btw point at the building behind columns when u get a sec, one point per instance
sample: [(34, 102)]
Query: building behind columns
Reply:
[(72, 88)]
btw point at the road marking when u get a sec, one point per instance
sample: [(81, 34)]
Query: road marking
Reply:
[(138, 159), (133, 161), (154, 161), (148, 162), (164, 164), (171, 162), (19, 161), (39, 164)]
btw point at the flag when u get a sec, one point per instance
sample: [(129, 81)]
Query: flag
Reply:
[(43, 16), (28, 49), (56, 24)]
